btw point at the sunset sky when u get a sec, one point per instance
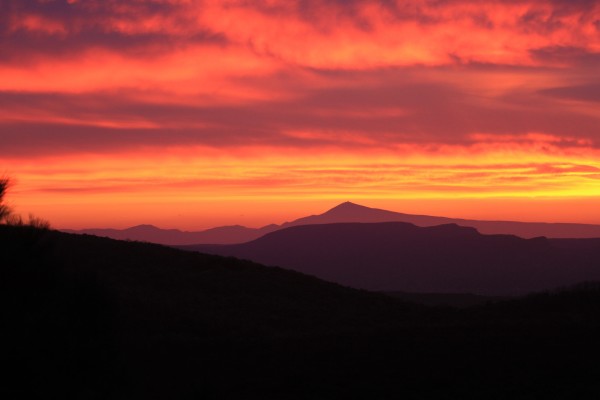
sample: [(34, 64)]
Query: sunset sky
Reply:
[(192, 114)]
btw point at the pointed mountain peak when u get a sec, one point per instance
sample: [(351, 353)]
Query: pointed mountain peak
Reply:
[(346, 207), (143, 227)]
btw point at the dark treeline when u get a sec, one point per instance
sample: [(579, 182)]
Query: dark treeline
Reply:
[(89, 317)]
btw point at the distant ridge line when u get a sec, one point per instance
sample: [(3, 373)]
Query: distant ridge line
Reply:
[(343, 212)]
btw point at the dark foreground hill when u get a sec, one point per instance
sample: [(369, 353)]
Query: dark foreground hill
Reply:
[(86, 317), (396, 256)]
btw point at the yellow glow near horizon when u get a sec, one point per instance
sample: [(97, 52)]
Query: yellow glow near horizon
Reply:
[(208, 113), (139, 187)]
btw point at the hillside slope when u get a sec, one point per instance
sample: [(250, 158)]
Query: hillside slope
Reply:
[(86, 317)]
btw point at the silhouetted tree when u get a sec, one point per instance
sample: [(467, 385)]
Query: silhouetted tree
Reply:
[(4, 209), (9, 218)]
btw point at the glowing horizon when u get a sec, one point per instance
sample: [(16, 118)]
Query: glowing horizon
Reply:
[(194, 114)]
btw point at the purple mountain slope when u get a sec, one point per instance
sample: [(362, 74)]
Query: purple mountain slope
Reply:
[(394, 256), (345, 212)]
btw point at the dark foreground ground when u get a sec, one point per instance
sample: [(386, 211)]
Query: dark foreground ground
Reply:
[(91, 318)]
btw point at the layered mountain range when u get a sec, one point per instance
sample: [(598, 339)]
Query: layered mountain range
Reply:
[(345, 212)]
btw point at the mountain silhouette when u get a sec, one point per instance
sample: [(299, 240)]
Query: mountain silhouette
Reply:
[(344, 212), (396, 256), (351, 212)]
